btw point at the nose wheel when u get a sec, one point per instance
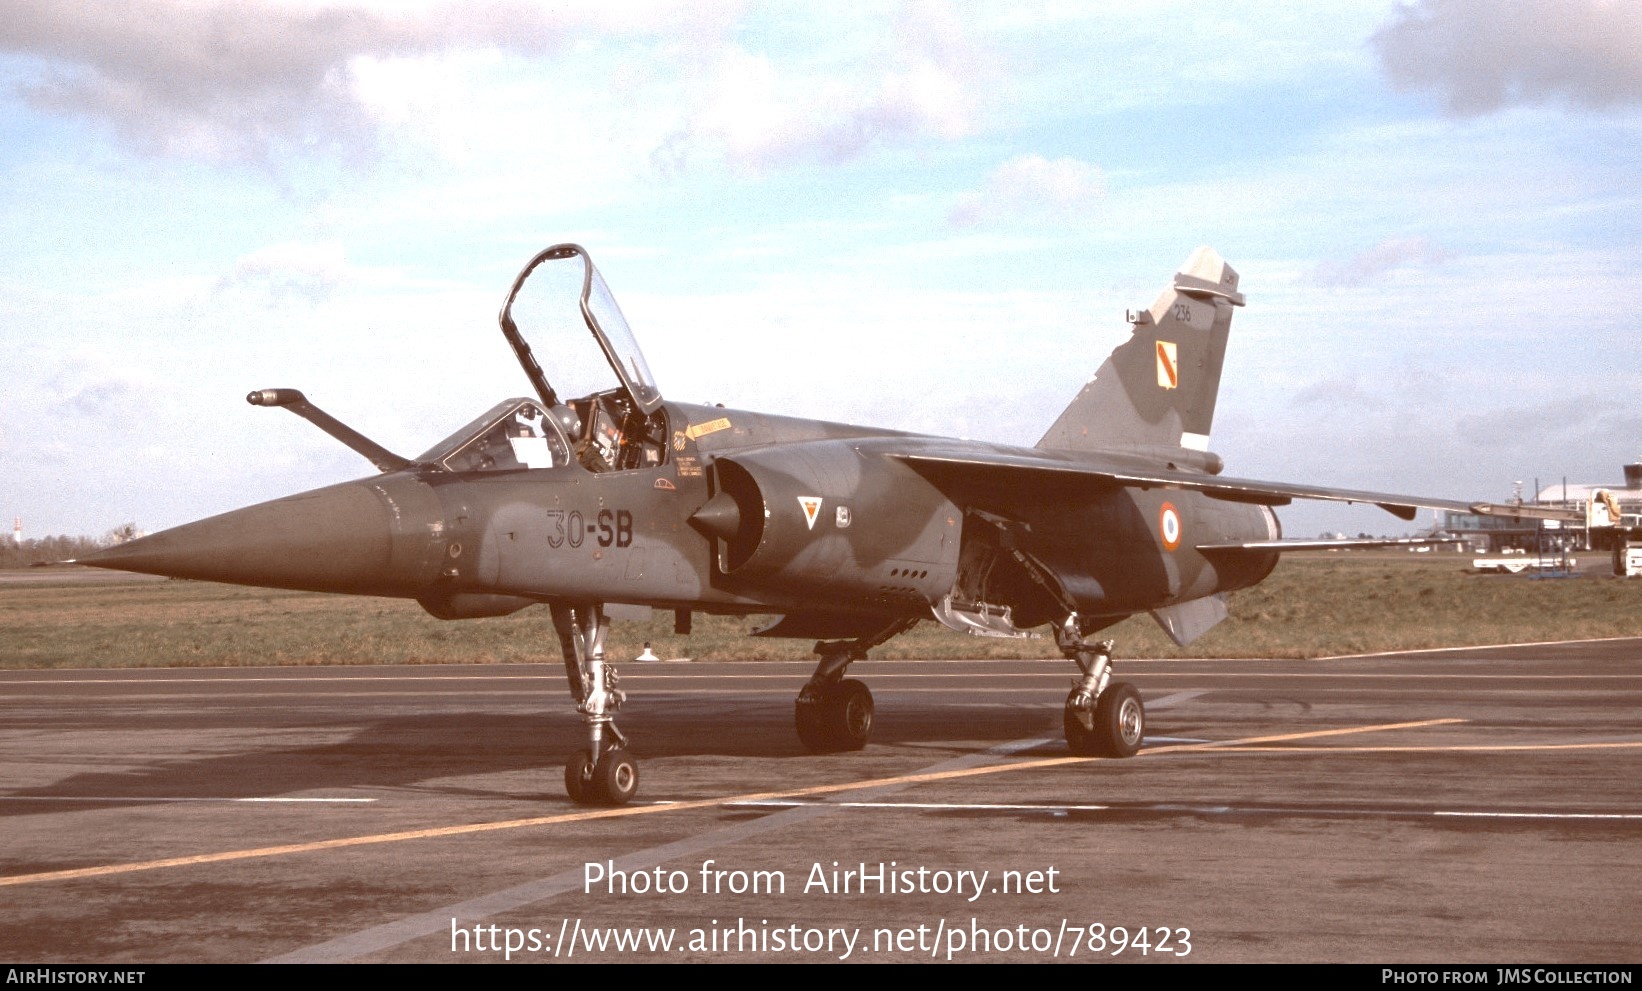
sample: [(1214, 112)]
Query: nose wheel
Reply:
[(603, 772), (612, 779)]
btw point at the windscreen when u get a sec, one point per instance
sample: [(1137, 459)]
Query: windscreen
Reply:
[(512, 435)]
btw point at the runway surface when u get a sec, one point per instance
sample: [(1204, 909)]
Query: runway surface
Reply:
[(1482, 805)]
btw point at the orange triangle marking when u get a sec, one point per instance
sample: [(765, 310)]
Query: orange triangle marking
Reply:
[(812, 508)]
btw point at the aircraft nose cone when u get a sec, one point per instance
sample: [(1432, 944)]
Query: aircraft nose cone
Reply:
[(336, 539)]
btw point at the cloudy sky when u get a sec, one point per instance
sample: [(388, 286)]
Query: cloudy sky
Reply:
[(929, 215)]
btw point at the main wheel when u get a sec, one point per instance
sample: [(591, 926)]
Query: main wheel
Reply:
[(1115, 727), (579, 780), (849, 712), (617, 777), (841, 719), (1120, 720), (807, 718), (1080, 728)]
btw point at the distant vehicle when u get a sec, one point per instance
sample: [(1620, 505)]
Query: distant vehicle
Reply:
[(1515, 561), (1627, 560)]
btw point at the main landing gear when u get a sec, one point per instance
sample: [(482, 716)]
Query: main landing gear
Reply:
[(834, 713), (1102, 718), (601, 773)]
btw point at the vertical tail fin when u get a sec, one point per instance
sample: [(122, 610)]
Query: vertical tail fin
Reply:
[(1157, 391)]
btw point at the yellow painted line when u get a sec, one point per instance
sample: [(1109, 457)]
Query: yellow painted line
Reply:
[(1383, 727), (1487, 646), (1311, 735), (1456, 748), (620, 812)]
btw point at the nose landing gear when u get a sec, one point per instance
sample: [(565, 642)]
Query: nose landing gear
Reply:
[(601, 773)]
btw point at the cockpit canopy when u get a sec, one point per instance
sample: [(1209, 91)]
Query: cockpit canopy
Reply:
[(558, 300), (601, 409)]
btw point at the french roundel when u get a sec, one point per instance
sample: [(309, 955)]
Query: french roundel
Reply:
[(1168, 525)]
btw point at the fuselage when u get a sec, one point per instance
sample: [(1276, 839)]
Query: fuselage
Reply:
[(827, 519)]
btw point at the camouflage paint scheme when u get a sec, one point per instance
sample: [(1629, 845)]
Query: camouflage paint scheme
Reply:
[(620, 498)]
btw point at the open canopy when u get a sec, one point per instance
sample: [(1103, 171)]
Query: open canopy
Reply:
[(556, 302)]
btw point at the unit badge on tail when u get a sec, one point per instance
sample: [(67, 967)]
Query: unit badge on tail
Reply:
[(1168, 367)]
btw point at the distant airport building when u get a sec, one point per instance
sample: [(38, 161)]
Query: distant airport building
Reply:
[(1495, 533)]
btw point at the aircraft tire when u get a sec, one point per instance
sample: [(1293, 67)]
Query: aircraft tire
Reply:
[(1115, 727), (848, 714), (807, 717), (840, 720), (1120, 721), (1080, 729), (617, 778), (580, 781)]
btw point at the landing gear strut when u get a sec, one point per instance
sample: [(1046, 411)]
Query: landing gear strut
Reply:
[(601, 773), (834, 713), (1102, 718)]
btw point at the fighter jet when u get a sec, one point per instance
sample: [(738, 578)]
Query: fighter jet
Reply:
[(597, 497)]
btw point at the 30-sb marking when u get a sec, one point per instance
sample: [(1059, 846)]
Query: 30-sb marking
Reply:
[(609, 527)]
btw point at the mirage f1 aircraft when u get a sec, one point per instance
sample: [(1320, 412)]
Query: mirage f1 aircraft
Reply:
[(598, 496)]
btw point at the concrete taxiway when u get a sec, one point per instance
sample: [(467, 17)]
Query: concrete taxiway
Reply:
[(1482, 805)]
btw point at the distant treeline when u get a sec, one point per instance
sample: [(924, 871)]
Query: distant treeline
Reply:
[(45, 550)]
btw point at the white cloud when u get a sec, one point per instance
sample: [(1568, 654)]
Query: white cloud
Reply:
[(1032, 186), (290, 270), (1577, 422), (1370, 265), (89, 384), (836, 96), (1480, 56), (267, 81), (249, 79)]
